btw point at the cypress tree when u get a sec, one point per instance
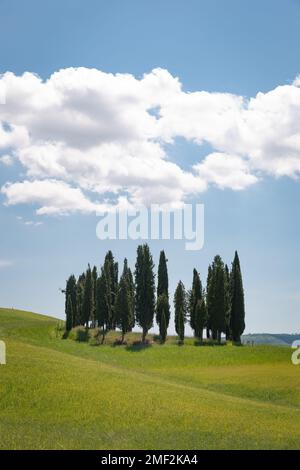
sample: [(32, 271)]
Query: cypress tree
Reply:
[(69, 314), (194, 296), (227, 303), (217, 299), (237, 317), (163, 307), (94, 280), (79, 299), (102, 306), (131, 288), (180, 310), (209, 301), (70, 292), (200, 318), (163, 327), (88, 297), (145, 289), (111, 274), (124, 307), (162, 289)]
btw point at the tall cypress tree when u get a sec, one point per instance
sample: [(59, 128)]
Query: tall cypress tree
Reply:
[(163, 326), (111, 275), (180, 306), (209, 301), (79, 299), (124, 307), (227, 302), (237, 317), (69, 313), (102, 305), (217, 297), (145, 289), (162, 290), (200, 318), (88, 297), (131, 287), (94, 281), (70, 292), (195, 295), (162, 315)]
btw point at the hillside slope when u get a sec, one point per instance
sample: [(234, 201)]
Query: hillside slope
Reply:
[(271, 338), (60, 394)]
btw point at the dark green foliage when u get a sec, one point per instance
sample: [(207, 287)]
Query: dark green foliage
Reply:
[(131, 288), (103, 302), (79, 299), (163, 327), (163, 307), (217, 299), (180, 305), (80, 334), (227, 303), (163, 289), (111, 278), (145, 289), (195, 295), (69, 314), (237, 316), (200, 318), (124, 306), (88, 297), (70, 293), (94, 279), (209, 301)]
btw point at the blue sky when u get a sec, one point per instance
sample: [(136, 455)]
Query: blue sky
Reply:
[(229, 47)]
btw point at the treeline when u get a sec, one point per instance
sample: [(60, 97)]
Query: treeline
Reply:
[(102, 299)]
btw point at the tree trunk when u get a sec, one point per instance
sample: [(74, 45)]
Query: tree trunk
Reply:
[(236, 339), (219, 337), (207, 333), (122, 340), (144, 336)]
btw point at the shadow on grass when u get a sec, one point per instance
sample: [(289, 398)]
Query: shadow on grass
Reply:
[(138, 346), (206, 342)]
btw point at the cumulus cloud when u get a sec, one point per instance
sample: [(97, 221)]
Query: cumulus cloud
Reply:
[(225, 171), (53, 197), (88, 139)]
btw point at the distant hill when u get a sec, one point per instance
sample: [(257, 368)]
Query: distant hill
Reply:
[(280, 339)]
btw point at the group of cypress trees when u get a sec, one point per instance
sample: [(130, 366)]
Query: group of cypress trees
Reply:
[(219, 308), (105, 301)]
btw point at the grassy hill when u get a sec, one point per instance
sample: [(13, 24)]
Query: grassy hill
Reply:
[(270, 338), (62, 394)]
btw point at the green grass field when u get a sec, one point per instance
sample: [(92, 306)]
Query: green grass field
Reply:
[(61, 394)]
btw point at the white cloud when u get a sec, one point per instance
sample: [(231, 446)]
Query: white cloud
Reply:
[(33, 223), (53, 197), (6, 160), (87, 138), (225, 171)]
